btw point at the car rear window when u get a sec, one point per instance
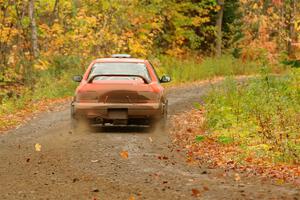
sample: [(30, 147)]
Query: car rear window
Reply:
[(120, 69)]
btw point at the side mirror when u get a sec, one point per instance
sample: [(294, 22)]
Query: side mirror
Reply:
[(77, 78), (165, 79)]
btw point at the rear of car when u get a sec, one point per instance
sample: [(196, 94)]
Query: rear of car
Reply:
[(119, 91)]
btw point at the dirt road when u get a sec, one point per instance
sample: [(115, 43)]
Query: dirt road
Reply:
[(89, 166)]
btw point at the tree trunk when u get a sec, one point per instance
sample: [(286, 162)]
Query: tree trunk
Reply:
[(55, 10), (3, 45), (34, 39), (291, 27), (219, 29)]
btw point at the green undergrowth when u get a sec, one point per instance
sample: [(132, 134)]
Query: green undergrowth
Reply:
[(53, 83), (192, 69), (261, 115)]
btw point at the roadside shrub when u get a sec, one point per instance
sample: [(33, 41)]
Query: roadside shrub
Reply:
[(263, 111)]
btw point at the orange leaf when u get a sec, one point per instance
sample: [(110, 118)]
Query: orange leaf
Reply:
[(195, 193), (131, 198), (124, 154), (205, 188)]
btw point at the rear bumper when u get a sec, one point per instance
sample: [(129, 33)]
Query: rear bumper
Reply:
[(95, 110)]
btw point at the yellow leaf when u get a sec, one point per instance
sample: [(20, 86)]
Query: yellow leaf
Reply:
[(297, 25), (255, 6), (150, 139), (38, 147), (280, 181), (42, 65), (237, 177)]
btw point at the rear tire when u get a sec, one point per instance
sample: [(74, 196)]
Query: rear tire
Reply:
[(162, 123), (79, 126)]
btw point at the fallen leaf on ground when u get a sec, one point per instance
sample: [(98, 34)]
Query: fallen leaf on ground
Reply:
[(195, 193), (237, 177), (75, 180), (131, 198), (162, 157), (94, 161), (38, 147), (150, 139), (205, 188), (124, 154), (189, 130), (280, 181), (190, 160)]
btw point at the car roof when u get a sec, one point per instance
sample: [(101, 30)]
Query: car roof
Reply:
[(130, 60)]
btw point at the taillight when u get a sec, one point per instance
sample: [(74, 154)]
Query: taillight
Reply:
[(86, 96)]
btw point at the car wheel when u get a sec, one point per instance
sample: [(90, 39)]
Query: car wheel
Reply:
[(79, 126), (164, 120), (162, 123)]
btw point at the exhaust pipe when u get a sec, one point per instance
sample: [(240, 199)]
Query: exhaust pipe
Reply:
[(99, 120)]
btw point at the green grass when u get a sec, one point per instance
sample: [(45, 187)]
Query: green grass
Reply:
[(193, 70), (261, 114)]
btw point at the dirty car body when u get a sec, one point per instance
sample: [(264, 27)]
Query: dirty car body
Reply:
[(119, 91)]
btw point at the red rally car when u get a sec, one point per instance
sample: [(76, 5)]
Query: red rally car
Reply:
[(119, 91)]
